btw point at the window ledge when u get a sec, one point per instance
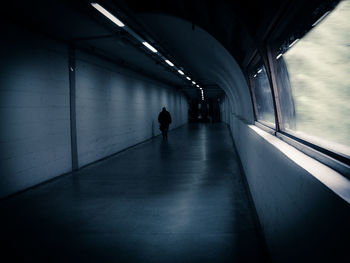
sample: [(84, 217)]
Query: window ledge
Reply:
[(329, 177)]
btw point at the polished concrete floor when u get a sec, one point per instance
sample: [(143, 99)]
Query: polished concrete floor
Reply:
[(181, 200)]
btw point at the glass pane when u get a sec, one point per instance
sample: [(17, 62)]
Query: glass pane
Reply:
[(316, 71), (263, 97)]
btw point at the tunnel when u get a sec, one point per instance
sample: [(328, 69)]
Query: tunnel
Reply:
[(255, 166)]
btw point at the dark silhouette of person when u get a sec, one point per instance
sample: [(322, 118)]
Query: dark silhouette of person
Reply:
[(164, 119)]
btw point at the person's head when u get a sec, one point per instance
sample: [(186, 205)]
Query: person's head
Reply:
[(164, 109)]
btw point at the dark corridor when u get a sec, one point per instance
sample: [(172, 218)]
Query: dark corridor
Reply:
[(178, 201)]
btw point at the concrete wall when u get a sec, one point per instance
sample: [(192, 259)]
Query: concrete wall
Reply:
[(34, 110), (302, 219), (116, 109)]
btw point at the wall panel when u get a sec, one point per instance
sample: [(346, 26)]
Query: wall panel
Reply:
[(34, 110), (117, 108)]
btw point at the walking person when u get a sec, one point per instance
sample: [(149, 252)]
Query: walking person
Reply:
[(164, 119)]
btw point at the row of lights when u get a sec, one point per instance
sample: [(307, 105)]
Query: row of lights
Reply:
[(297, 39), (119, 23), (259, 71)]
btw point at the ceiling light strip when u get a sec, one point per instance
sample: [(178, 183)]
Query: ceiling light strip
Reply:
[(119, 23), (107, 14)]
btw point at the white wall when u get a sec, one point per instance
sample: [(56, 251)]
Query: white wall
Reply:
[(302, 219), (117, 108), (34, 110)]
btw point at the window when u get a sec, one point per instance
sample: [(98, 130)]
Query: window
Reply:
[(313, 79), (263, 97)]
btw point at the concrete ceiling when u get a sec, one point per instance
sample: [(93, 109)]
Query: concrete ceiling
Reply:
[(206, 37), (202, 55)]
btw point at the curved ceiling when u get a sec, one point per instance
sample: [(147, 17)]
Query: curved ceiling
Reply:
[(203, 56), (235, 24), (214, 40), (241, 26)]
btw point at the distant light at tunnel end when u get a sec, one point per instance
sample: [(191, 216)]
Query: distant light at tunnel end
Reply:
[(146, 44), (108, 14)]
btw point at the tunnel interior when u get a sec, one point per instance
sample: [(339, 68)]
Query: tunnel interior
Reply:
[(259, 88)]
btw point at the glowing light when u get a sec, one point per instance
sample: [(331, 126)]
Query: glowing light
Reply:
[(259, 71), (293, 43), (279, 55), (169, 63), (181, 72), (188, 78), (146, 44), (193, 82), (321, 18), (108, 14)]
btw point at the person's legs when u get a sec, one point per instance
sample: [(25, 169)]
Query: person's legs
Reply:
[(166, 133)]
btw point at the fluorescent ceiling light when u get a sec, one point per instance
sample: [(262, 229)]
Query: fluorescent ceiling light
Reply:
[(259, 71), (200, 88), (321, 18), (146, 44), (193, 82), (197, 86), (188, 78), (293, 43), (108, 14), (181, 72), (169, 63), (279, 55), (255, 76)]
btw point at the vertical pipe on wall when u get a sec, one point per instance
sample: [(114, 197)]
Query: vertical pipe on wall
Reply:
[(72, 100)]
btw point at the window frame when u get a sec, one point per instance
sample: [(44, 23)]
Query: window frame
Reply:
[(256, 63), (267, 55)]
